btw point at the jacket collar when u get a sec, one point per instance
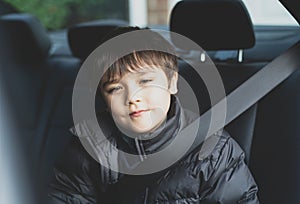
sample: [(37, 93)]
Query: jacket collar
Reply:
[(107, 151)]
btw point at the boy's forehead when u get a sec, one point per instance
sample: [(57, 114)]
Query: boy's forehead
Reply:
[(135, 72)]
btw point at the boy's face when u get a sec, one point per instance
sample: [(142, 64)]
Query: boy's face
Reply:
[(139, 101)]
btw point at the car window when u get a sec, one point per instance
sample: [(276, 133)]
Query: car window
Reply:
[(269, 12), (58, 14)]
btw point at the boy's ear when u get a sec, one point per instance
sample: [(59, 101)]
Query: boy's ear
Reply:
[(173, 84)]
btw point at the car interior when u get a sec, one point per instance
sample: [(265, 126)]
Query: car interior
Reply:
[(38, 70)]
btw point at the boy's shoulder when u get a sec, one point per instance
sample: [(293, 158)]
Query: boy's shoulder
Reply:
[(220, 150), (216, 145)]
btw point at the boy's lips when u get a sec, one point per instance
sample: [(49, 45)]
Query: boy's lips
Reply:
[(137, 113)]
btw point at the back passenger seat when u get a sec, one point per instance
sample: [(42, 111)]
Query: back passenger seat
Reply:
[(269, 131), (234, 32), (84, 38), (40, 90), (23, 52)]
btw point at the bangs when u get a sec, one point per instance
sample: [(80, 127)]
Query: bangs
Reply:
[(137, 62)]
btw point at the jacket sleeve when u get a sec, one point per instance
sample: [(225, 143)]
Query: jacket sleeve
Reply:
[(73, 180), (231, 180)]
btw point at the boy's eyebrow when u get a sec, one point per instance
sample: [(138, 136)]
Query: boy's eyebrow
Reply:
[(140, 73)]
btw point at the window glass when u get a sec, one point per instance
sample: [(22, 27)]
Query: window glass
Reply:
[(269, 12), (58, 14)]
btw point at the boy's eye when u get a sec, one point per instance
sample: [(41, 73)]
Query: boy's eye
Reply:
[(145, 81), (114, 89)]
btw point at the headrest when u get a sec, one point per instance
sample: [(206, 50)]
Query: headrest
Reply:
[(85, 37), (23, 38), (213, 24)]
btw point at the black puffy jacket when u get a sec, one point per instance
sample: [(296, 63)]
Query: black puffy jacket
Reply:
[(220, 177)]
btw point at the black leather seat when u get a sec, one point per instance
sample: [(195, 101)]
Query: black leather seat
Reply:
[(39, 88), (23, 53), (275, 155), (270, 128), (84, 38), (220, 27)]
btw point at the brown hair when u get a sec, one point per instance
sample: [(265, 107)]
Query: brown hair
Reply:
[(139, 60)]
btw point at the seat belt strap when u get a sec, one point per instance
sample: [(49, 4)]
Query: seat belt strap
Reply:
[(238, 101), (263, 82), (255, 88)]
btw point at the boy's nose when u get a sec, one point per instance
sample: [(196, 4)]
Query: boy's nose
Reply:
[(133, 96), (134, 101)]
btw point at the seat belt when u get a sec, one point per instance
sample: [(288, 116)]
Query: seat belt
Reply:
[(238, 101), (256, 87)]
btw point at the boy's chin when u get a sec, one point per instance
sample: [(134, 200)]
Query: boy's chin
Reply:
[(136, 131), (133, 132)]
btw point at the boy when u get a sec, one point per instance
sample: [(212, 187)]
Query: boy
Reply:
[(143, 117)]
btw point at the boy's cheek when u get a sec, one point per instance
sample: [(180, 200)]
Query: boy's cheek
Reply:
[(108, 99), (115, 107)]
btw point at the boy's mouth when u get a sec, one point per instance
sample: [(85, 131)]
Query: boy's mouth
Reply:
[(137, 113)]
